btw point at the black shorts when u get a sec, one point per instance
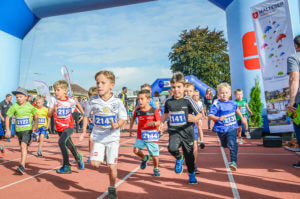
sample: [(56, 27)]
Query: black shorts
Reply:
[(239, 122), (24, 136)]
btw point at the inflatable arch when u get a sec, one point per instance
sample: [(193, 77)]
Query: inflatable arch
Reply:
[(163, 84)]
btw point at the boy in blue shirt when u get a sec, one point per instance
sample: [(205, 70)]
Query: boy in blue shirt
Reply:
[(223, 111)]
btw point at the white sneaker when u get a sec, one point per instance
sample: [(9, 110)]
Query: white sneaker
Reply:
[(292, 149), (247, 135), (241, 141)]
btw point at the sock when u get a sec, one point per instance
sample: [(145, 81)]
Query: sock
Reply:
[(39, 151)]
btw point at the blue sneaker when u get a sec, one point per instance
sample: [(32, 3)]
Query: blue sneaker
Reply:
[(88, 160), (144, 162), (156, 172), (192, 178), (233, 166), (178, 165), (7, 139), (80, 162), (21, 170), (64, 169)]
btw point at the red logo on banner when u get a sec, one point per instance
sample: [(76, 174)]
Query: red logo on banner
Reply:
[(251, 62), (255, 15)]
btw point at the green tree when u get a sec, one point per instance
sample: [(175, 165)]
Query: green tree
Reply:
[(255, 105), (202, 53)]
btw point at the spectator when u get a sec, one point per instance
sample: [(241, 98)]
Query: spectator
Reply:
[(4, 106), (293, 68), (123, 96), (208, 101)]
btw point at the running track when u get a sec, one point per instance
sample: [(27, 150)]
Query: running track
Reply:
[(262, 173)]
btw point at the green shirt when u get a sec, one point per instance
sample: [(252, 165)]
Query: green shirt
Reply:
[(242, 105), (23, 116)]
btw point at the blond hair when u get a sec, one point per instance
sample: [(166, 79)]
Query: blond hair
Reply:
[(145, 85), (146, 93), (61, 83), (93, 91), (178, 77), (223, 85), (39, 97), (189, 84), (108, 74)]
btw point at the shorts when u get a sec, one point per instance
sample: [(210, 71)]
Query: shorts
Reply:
[(239, 122), (109, 149), (24, 136), (196, 133), (42, 130), (152, 147)]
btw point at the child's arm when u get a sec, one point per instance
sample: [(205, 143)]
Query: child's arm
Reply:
[(7, 133), (243, 119), (84, 127), (131, 124), (49, 122), (80, 108), (36, 122), (2, 118), (192, 118), (118, 124), (216, 118), (249, 110)]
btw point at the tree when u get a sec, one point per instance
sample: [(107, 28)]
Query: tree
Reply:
[(255, 104), (202, 53)]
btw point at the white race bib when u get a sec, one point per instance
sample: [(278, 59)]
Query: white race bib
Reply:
[(103, 121), (177, 118), (150, 135), (230, 119), (22, 122)]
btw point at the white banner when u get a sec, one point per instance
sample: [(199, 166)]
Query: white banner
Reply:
[(274, 37), (42, 89)]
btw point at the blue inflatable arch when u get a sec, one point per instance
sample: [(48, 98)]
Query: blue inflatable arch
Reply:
[(163, 84)]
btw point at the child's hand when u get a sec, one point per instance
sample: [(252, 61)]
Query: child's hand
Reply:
[(114, 125), (191, 118), (222, 118), (151, 124)]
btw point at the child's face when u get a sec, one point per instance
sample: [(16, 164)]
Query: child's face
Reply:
[(224, 94), (104, 85), (60, 92), (21, 99), (143, 100), (196, 96), (189, 91), (40, 103), (178, 89), (239, 95)]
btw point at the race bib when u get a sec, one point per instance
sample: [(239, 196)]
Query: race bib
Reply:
[(150, 135), (63, 112), (243, 110), (42, 120), (177, 118), (230, 119), (103, 121), (23, 122)]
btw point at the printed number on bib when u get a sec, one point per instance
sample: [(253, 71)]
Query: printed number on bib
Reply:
[(42, 120), (63, 112), (150, 136), (103, 121), (177, 118), (230, 119), (23, 122)]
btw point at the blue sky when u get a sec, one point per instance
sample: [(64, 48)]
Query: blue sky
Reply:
[(132, 41)]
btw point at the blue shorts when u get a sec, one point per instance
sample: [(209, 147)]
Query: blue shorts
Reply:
[(196, 133), (41, 130), (152, 147)]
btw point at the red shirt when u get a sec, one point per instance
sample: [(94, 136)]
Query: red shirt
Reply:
[(144, 117)]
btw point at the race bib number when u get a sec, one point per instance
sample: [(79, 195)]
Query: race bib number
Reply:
[(103, 121), (42, 120), (63, 112), (243, 110), (23, 122), (230, 119), (150, 135), (177, 118)]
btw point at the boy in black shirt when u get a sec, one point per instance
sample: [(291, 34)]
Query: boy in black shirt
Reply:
[(179, 109)]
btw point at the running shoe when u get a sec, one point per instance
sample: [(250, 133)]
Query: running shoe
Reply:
[(233, 166), (202, 145), (156, 172), (144, 162), (21, 170), (33, 135), (7, 139), (39, 154), (80, 162), (241, 140), (297, 165), (2, 149), (192, 178), (47, 135), (64, 169), (196, 170), (112, 193), (178, 165), (247, 134), (88, 160)]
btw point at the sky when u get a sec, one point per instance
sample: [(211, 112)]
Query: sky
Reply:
[(132, 41)]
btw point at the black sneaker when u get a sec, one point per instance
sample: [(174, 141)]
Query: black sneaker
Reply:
[(21, 170), (297, 165), (39, 154), (112, 193), (202, 145)]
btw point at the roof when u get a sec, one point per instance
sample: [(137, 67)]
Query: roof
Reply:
[(78, 89)]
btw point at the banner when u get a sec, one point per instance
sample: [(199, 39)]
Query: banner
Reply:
[(65, 73), (42, 89), (274, 37)]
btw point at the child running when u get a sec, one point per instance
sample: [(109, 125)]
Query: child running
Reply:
[(61, 109), (44, 122), (23, 111), (179, 109), (109, 115), (197, 99), (223, 111), (147, 132), (243, 106)]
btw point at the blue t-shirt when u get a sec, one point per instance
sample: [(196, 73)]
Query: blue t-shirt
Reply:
[(226, 109)]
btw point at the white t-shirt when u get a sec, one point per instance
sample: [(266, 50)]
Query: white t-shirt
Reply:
[(103, 112), (200, 104)]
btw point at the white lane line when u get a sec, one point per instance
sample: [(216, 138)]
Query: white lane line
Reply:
[(235, 191), (124, 179), (30, 177)]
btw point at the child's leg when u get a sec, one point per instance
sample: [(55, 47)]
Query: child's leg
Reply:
[(112, 150), (189, 155), (153, 149), (138, 145), (62, 142), (195, 150), (24, 148), (174, 144), (155, 161), (232, 145), (113, 172), (97, 154), (24, 140), (41, 141), (200, 131)]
